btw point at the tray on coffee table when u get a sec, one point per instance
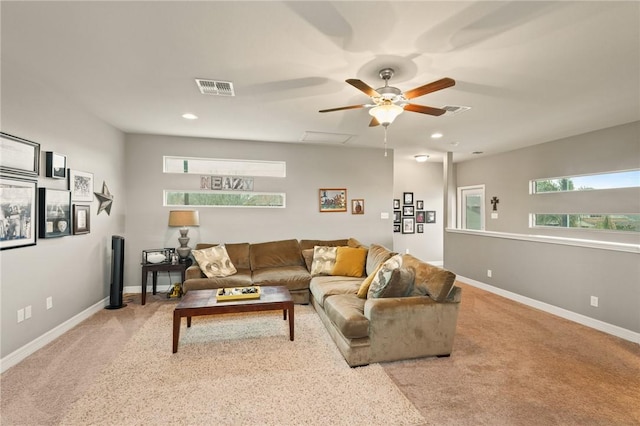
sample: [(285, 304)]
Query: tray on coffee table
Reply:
[(237, 293)]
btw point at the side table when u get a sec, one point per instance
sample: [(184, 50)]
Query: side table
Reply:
[(154, 268)]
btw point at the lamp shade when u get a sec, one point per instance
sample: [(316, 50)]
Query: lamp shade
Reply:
[(386, 113), (184, 218)]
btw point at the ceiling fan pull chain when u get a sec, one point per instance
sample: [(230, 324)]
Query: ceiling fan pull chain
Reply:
[(385, 140)]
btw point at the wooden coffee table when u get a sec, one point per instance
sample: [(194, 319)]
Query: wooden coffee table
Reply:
[(203, 302)]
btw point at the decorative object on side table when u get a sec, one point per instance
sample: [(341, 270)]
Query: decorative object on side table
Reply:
[(17, 213), (183, 218), (155, 256)]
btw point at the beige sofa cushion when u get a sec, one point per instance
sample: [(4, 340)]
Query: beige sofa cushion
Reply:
[(238, 253), (242, 278), (275, 253), (309, 244), (346, 312), (292, 277), (325, 286), (376, 255), (429, 280), (214, 261)]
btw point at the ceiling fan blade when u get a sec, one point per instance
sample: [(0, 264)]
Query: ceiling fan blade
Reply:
[(374, 122), (431, 87), (362, 86), (342, 108), (424, 109)]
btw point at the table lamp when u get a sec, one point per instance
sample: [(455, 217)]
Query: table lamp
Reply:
[(183, 218)]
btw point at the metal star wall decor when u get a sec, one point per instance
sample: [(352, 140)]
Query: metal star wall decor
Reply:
[(106, 199)]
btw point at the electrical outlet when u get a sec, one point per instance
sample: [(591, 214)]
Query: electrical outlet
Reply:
[(20, 315), (27, 312), (49, 302), (594, 301), (489, 273)]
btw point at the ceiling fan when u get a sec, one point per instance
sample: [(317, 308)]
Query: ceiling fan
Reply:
[(389, 101)]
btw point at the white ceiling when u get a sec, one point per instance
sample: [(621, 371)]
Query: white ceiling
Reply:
[(530, 71)]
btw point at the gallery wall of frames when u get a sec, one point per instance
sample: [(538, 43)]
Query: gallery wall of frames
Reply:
[(410, 217), (29, 212)]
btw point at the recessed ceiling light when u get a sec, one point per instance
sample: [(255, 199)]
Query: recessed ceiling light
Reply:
[(436, 135), (421, 158), (190, 116)]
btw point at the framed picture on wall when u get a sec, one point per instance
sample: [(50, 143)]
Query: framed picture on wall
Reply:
[(420, 204), (81, 185), (396, 204), (431, 216), (17, 213), (397, 216), (407, 198), (420, 228), (357, 206), (333, 200), (54, 211), (420, 216), (396, 227), (81, 219), (56, 165), (19, 156), (408, 211), (408, 225)]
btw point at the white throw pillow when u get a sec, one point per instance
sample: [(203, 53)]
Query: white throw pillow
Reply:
[(214, 261), (324, 259)]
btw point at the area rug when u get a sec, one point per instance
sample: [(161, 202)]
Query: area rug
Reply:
[(239, 369)]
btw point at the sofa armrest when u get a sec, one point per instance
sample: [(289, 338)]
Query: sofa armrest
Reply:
[(193, 271), (411, 327)]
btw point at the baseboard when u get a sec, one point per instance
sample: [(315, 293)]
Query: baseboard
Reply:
[(605, 327), (19, 354), (136, 289)]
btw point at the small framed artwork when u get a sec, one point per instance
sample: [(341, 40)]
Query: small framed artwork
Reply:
[(420, 216), (54, 210), (357, 206), (56, 165), (396, 227), (205, 182), (17, 213), (81, 219), (81, 185), (408, 225), (333, 200), (420, 204), (397, 216), (420, 228), (431, 216), (408, 211), (396, 204), (407, 198), (19, 156)]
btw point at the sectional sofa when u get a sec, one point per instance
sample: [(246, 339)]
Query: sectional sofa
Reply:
[(377, 305)]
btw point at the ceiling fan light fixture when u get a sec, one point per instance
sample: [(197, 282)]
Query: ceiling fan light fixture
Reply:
[(386, 113)]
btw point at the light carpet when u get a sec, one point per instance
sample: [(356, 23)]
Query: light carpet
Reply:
[(239, 369)]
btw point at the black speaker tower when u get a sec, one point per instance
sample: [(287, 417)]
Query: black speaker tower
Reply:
[(117, 272)]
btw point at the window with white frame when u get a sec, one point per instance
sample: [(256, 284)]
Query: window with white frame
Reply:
[(471, 208)]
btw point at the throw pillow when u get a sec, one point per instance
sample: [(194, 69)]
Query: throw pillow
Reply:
[(214, 261), (364, 286), (390, 281), (350, 262), (323, 260), (307, 255)]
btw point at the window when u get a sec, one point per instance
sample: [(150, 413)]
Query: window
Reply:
[(225, 167), (612, 180), (196, 198), (471, 207), (607, 222)]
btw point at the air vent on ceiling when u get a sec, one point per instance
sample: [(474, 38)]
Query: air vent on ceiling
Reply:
[(215, 88), (455, 109), (324, 137)]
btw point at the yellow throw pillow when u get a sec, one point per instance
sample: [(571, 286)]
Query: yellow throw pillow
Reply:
[(350, 262), (364, 286)]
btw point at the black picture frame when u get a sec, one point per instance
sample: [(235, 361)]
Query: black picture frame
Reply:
[(408, 225), (19, 156), (54, 211), (407, 198), (420, 205), (408, 211), (81, 219), (55, 165), (420, 228), (396, 203), (396, 227), (431, 216), (421, 216), (17, 212), (397, 216)]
